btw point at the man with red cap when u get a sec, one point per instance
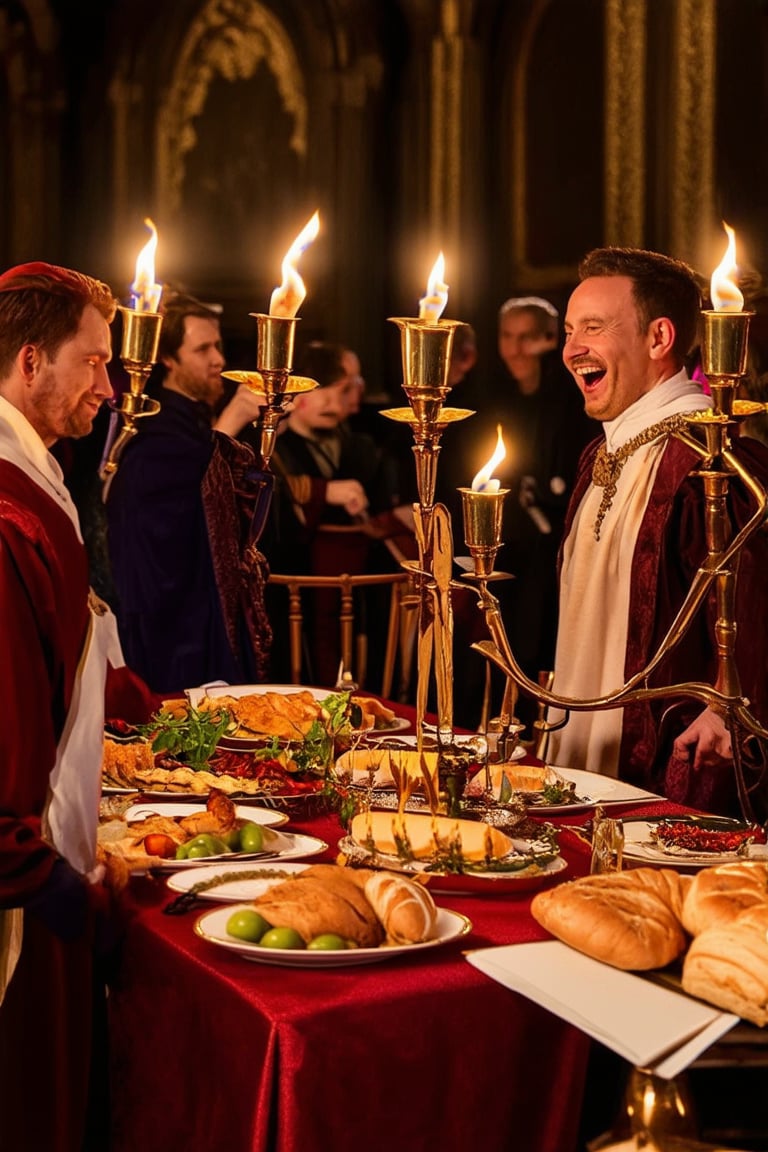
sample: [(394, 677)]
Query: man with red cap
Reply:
[(61, 655)]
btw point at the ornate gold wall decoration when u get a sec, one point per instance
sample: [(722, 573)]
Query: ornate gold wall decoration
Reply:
[(229, 39), (691, 175), (624, 124)]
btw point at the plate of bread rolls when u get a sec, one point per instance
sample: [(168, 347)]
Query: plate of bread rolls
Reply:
[(451, 854), (327, 915), (711, 928)]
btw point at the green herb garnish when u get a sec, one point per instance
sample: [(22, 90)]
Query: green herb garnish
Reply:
[(191, 738)]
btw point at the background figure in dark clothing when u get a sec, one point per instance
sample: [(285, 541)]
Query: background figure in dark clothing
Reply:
[(182, 511)]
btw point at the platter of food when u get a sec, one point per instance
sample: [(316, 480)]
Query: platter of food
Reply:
[(145, 809), (689, 841), (452, 855), (211, 926), (277, 846), (143, 839), (290, 710), (328, 915), (551, 790)]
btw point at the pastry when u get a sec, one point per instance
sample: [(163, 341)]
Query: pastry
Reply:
[(404, 907), (315, 905), (728, 965), (717, 894), (630, 920)]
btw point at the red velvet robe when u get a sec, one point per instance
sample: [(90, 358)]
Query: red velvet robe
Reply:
[(670, 548), (47, 1016)]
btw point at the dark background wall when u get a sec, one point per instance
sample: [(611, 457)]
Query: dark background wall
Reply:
[(512, 134)]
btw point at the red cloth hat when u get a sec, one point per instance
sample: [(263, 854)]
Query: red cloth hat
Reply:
[(9, 281)]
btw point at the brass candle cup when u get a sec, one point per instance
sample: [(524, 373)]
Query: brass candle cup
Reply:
[(482, 513), (425, 348), (725, 343), (138, 352), (141, 335), (275, 336)]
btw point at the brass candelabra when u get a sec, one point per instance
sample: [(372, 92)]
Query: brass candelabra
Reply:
[(425, 350), (426, 347), (141, 335), (273, 379), (724, 354)]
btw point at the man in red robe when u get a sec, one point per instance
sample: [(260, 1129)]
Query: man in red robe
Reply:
[(635, 539), (54, 348)]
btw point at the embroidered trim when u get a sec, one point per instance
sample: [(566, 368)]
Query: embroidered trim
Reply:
[(607, 467)]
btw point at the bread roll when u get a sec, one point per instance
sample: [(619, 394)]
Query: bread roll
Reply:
[(404, 907), (719, 893), (728, 966), (314, 905), (424, 835), (630, 920)]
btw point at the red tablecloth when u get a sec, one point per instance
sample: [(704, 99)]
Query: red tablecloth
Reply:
[(213, 1052)]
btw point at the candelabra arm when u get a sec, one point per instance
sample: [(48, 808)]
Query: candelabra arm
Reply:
[(500, 652)]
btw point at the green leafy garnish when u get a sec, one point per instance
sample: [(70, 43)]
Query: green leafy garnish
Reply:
[(191, 738)]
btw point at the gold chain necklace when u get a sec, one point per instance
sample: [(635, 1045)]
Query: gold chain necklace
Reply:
[(607, 467)]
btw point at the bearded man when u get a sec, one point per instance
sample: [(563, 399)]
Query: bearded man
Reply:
[(60, 653)]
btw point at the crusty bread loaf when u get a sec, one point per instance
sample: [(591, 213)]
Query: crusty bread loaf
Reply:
[(630, 920), (425, 835), (404, 907), (330, 873), (718, 894), (314, 905), (728, 965)]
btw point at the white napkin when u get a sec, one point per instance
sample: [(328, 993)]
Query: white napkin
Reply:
[(650, 1026)]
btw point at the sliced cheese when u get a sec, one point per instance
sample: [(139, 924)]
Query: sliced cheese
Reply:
[(426, 835)]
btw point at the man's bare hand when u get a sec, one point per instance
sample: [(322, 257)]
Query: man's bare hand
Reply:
[(347, 494), (706, 743), (243, 408)]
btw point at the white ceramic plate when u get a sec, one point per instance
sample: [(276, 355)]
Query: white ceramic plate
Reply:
[(287, 846), (592, 789), (411, 740), (211, 926), (639, 846), (233, 889), (269, 818), (195, 695), (248, 743), (399, 724), (462, 883)]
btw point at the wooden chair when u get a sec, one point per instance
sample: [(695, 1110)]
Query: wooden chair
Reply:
[(401, 630)]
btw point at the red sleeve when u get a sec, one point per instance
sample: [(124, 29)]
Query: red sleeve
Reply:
[(128, 698), (32, 679)]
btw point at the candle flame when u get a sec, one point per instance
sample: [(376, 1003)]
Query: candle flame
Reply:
[(288, 298), (483, 482), (431, 306), (146, 294), (725, 293)]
